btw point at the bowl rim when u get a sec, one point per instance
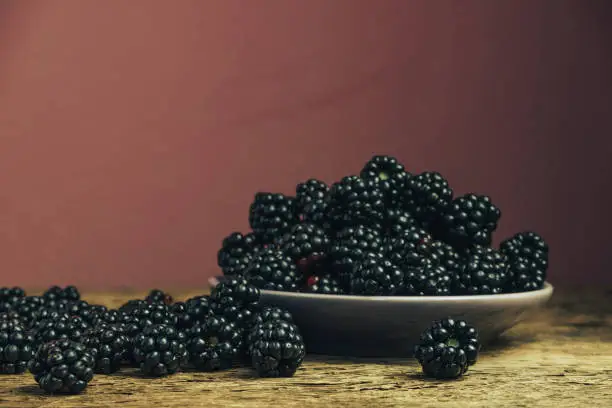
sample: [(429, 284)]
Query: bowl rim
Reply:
[(545, 291)]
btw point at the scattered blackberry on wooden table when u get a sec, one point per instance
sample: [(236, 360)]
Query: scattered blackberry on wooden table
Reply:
[(311, 201), (159, 351), (376, 276), (89, 313), (236, 252), (485, 272), (447, 349), (153, 313), (356, 201), (527, 253), (29, 308), (62, 367), (326, 284), (427, 197), (214, 344), (470, 220), (16, 347), (159, 296), (272, 269), (276, 348), (236, 300), (192, 311), (57, 293), (109, 346), (390, 176), (60, 326), (9, 297), (272, 215), (273, 313)]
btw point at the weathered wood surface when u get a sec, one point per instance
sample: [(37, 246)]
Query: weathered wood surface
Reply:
[(560, 357)]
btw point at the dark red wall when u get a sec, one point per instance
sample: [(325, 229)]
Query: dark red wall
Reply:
[(133, 137)]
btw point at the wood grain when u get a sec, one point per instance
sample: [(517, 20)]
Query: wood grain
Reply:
[(561, 357)]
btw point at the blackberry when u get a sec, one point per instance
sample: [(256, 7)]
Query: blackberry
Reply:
[(236, 300), (272, 215), (376, 276), (60, 326), (29, 308), (397, 221), (356, 201), (470, 220), (63, 367), (390, 176), (350, 247), (276, 348), (311, 201), (16, 347), (192, 311), (12, 317), (57, 293), (427, 196), (528, 257), (272, 313), (159, 296), (132, 304), (152, 313), (427, 280), (9, 297), (447, 349), (236, 252), (411, 249), (308, 246), (159, 350), (214, 344), (325, 284), (271, 269), (89, 313), (109, 346), (485, 272)]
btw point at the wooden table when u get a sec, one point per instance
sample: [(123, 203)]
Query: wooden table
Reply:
[(560, 357)]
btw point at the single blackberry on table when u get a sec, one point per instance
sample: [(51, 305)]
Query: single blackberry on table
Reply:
[(311, 201), (214, 344), (276, 348), (159, 296), (391, 177), (470, 220), (447, 349), (326, 284), (236, 252), (159, 350), (57, 293), (485, 272), (272, 269), (356, 201), (376, 276), (527, 253), (192, 311), (60, 326), (9, 297), (236, 300), (109, 346), (16, 347), (272, 215), (350, 247), (427, 197), (62, 367)]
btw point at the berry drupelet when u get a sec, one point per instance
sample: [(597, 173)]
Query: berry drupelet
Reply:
[(311, 201), (356, 201), (236, 300), (16, 347), (63, 367), (485, 272), (272, 269), (427, 196), (376, 276), (390, 176), (214, 344), (326, 284), (527, 253), (109, 346), (272, 215), (470, 220), (447, 349), (159, 350), (276, 348), (236, 252)]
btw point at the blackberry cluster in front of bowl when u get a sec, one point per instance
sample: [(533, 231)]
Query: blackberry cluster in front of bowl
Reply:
[(382, 232)]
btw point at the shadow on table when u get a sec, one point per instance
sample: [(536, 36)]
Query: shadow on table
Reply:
[(32, 391), (507, 341)]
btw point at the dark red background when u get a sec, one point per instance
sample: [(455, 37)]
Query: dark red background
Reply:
[(134, 134)]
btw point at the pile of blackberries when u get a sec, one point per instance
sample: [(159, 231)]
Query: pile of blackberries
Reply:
[(64, 341), (382, 232)]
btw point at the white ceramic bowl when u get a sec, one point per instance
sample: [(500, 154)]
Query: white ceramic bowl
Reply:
[(389, 326)]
